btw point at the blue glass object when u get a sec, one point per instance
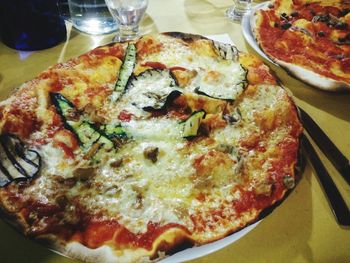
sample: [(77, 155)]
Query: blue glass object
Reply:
[(31, 24)]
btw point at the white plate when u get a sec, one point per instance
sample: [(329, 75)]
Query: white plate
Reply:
[(196, 252), (248, 34)]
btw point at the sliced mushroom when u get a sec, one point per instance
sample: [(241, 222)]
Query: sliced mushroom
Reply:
[(302, 30), (92, 151), (151, 153), (289, 182), (84, 173), (225, 148), (62, 201), (234, 117), (263, 188), (116, 163), (231, 150)]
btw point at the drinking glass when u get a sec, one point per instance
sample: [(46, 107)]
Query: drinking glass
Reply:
[(91, 16), (128, 13), (239, 8)]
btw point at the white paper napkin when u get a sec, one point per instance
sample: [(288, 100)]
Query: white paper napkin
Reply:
[(224, 38)]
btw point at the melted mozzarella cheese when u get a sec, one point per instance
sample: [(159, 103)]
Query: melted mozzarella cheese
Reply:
[(139, 190), (173, 53), (54, 161), (266, 96), (155, 129), (229, 135)]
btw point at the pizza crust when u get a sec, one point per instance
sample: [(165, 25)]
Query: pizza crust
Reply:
[(304, 74), (314, 79), (105, 253), (187, 37)]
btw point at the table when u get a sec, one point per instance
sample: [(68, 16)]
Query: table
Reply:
[(302, 229)]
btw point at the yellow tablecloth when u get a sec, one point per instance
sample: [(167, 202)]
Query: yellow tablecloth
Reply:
[(302, 229)]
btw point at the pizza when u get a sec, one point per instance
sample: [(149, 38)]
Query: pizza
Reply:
[(136, 150), (309, 38)]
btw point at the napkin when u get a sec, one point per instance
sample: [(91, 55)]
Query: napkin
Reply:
[(224, 38), (219, 3)]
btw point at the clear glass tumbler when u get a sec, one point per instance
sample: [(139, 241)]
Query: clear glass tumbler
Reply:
[(128, 13), (239, 8), (91, 16)]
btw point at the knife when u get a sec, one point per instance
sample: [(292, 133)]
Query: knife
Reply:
[(340, 162), (336, 201)]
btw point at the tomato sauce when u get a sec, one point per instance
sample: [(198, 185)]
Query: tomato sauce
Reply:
[(56, 83), (158, 65), (116, 51), (20, 123), (21, 118), (67, 141), (178, 68), (289, 149), (67, 150), (146, 46), (43, 217), (250, 200), (279, 168), (97, 232), (260, 75), (124, 115), (198, 222), (14, 197), (97, 92), (41, 209), (290, 45), (155, 65)]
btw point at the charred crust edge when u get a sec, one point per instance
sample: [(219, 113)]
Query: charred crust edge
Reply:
[(184, 36)]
